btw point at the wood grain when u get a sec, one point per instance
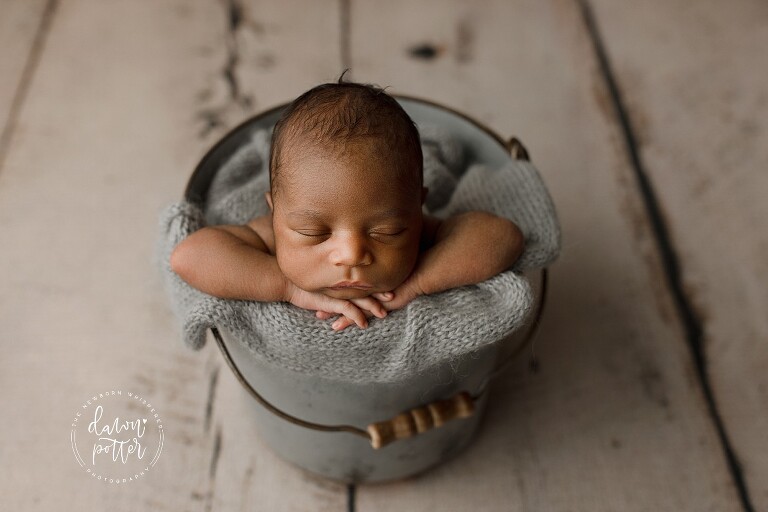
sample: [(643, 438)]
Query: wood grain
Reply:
[(696, 89)]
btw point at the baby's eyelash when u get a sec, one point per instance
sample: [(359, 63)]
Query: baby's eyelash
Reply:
[(316, 234), (390, 233)]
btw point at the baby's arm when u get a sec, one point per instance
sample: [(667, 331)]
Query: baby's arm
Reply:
[(229, 262), (234, 262), (464, 249)]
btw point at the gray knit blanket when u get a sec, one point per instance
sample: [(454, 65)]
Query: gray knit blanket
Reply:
[(431, 330)]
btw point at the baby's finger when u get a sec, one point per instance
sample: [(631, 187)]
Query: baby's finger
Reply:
[(324, 315), (372, 305), (383, 296), (343, 307), (352, 312), (342, 323)]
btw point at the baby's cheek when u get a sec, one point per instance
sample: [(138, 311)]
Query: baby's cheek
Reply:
[(293, 266), (399, 267)]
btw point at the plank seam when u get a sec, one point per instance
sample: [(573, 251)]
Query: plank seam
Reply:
[(38, 45), (213, 118), (211, 398), (344, 40), (351, 497), (215, 456), (235, 14), (670, 260)]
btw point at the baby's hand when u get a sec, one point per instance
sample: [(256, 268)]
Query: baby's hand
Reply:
[(387, 301), (402, 295), (377, 304), (370, 306), (351, 311)]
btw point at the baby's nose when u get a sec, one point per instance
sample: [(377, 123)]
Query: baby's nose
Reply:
[(351, 251)]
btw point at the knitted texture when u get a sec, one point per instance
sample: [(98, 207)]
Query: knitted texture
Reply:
[(431, 330)]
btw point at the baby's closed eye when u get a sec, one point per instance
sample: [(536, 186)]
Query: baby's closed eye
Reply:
[(311, 232), (388, 231), (387, 234), (391, 234)]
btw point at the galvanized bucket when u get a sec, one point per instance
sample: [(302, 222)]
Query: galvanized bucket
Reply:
[(373, 431)]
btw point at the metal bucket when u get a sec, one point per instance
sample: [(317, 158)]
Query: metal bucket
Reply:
[(373, 431)]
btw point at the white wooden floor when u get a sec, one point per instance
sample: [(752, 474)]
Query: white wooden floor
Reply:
[(648, 121)]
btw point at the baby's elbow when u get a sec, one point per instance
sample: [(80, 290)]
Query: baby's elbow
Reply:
[(181, 260), (512, 240), (517, 238)]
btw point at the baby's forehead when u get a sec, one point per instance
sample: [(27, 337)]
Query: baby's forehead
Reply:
[(360, 162), (365, 154), (365, 174), (367, 211), (372, 206), (364, 184), (299, 144)]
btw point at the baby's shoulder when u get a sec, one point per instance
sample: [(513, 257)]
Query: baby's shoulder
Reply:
[(263, 227)]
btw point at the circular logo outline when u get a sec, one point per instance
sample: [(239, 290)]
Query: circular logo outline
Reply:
[(130, 396)]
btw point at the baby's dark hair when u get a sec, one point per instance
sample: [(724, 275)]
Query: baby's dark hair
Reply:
[(333, 114)]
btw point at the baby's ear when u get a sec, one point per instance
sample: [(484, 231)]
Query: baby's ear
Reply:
[(268, 196), (424, 191)]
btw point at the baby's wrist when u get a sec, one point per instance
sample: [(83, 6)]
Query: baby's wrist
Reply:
[(420, 285), (288, 290)]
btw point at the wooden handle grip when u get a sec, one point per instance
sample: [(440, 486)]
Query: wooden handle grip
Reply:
[(421, 419)]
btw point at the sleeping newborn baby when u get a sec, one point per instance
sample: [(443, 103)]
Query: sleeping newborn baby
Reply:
[(346, 236)]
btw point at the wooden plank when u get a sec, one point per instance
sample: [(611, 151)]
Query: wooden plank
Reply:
[(113, 124), (697, 92), (20, 25), (614, 419)]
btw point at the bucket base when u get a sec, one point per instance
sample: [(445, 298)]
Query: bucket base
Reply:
[(344, 456)]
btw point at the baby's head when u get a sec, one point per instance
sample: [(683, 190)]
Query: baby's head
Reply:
[(346, 191)]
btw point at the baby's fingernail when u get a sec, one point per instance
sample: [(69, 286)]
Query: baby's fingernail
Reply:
[(382, 313), (335, 324), (388, 295)]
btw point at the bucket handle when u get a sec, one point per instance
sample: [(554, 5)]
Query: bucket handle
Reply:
[(379, 434)]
